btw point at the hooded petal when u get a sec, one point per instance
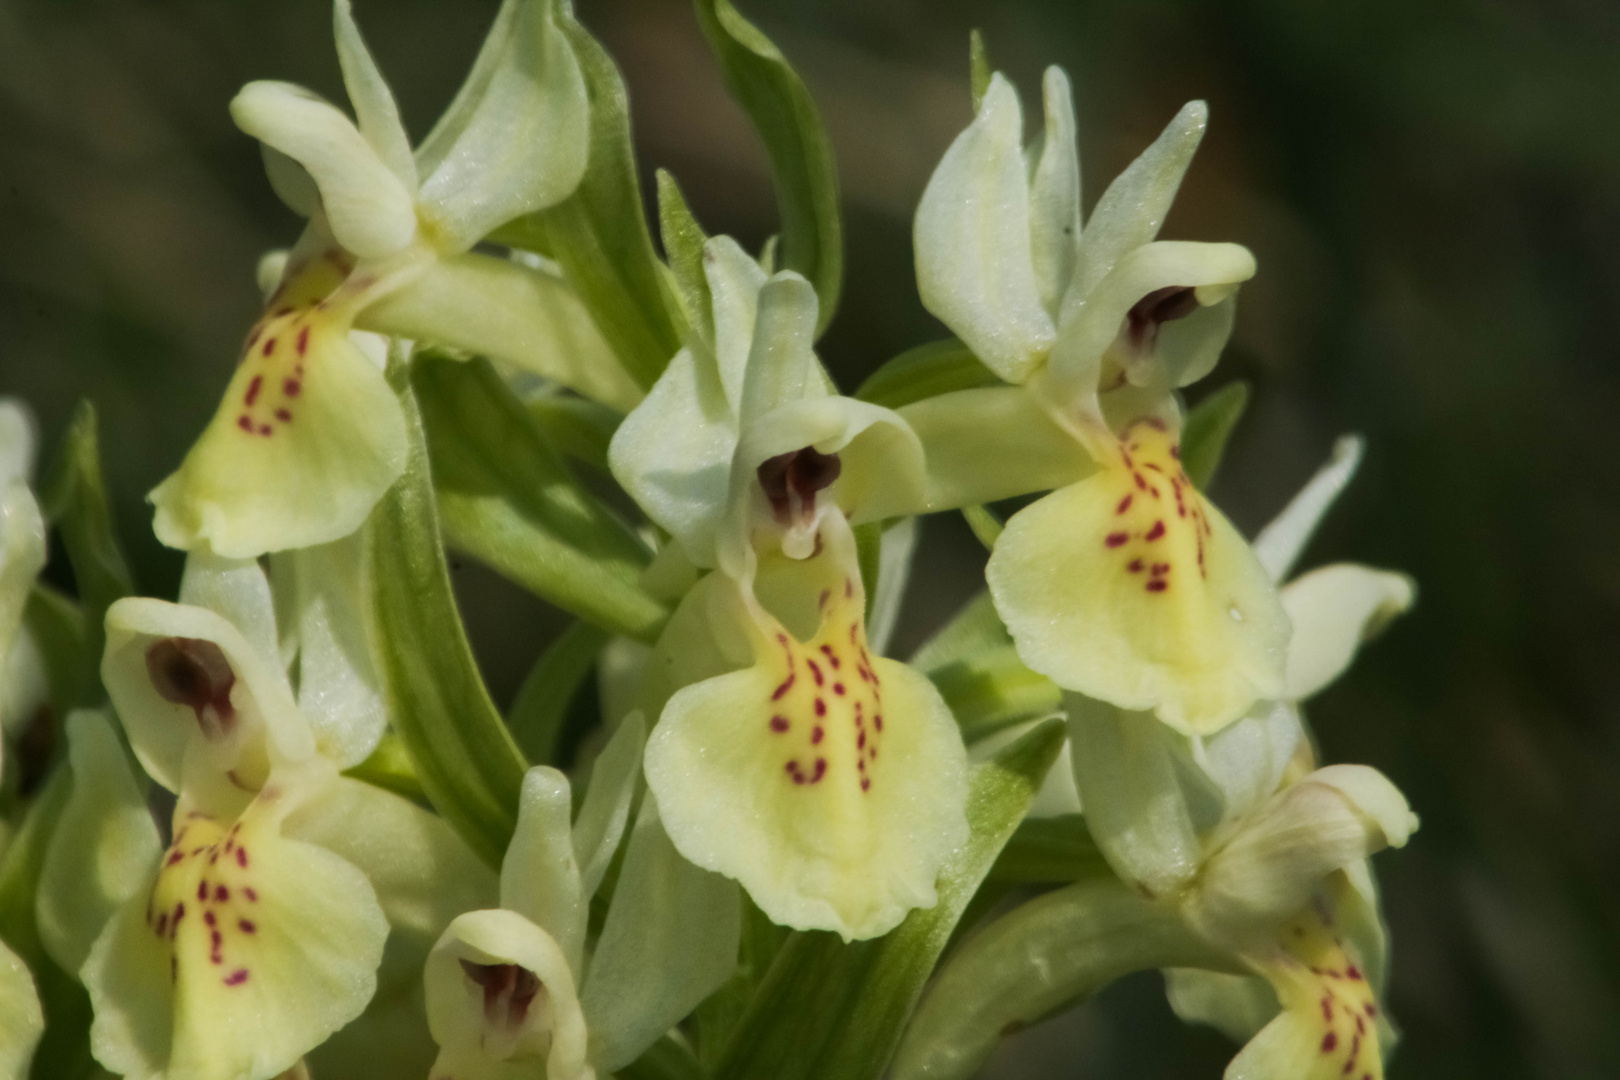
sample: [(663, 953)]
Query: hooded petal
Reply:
[(975, 261), (21, 1021), (186, 682), (500, 990), (1333, 610), (370, 210), (237, 591), (374, 108), (248, 950), (1280, 543), (1054, 193), (829, 782), (308, 438), (1131, 588), (103, 846), (515, 138), (1159, 319), (1133, 208), (1282, 854)]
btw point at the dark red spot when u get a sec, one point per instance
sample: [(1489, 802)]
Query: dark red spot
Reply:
[(1354, 972), (269, 346), (249, 892), (244, 423), (237, 977), (208, 917), (1175, 452), (779, 724), (815, 671), (179, 913), (1135, 566), (1157, 585), (1140, 482), (816, 736), (221, 894), (175, 856), (821, 770), (1114, 540), (241, 857), (796, 477), (1372, 1010), (787, 684), (303, 341), (832, 657), (866, 783), (1355, 1052), (1124, 504), (877, 721), (1155, 532), (860, 743), (252, 394), (246, 926), (838, 688), (162, 924), (826, 594), (849, 588), (1327, 1007), (1329, 1042), (284, 416), (202, 890), (1160, 569), (821, 707)]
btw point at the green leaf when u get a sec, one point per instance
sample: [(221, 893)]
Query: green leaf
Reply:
[(993, 690), (540, 711), (467, 763), (579, 427), (64, 1051), (76, 503), (827, 1009), (667, 1059), (869, 554), (939, 367), (987, 528), (979, 69), (599, 234), (509, 499), (1048, 954), (1208, 426), (787, 122), (975, 629), (57, 623), (1045, 850), (683, 245)]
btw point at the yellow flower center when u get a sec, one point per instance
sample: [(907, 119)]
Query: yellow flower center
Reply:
[(1160, 529), (1325, 985), (204, 899)]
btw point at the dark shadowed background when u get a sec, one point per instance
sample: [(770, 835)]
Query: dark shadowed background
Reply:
[(1433, 193)]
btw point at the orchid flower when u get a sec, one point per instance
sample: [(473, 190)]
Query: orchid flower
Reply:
[(309, 436), (1125, 584), (828, 781), (1265, 857), (507, 988), (259, 932)]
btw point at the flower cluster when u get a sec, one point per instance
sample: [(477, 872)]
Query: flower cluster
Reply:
[(289, 833)]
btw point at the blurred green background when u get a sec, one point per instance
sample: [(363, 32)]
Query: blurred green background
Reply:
[(1433, 192)]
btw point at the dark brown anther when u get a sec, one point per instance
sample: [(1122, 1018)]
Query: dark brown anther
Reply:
[(1155, 309), (509, 990), (797, 474), (194, 673)]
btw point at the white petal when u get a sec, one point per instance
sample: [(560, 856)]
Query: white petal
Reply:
[(236, 590), (1247, 759), (781, 366), (339, 690), (1334, 609), (1126, 775), (1133, 208), (515, 138), (371, 212), (21, 1021), (19, 439), (374, 108), (606, 809), (975, 265), (734, 283), (1280, 543), (1054, 194), (670, 941), (102, 849), (673, 455), (539, 876), (22, 556)]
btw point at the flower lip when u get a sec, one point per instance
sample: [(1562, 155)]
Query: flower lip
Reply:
[(509, 991), (1160, 306), (194, 672), (791, 481)]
